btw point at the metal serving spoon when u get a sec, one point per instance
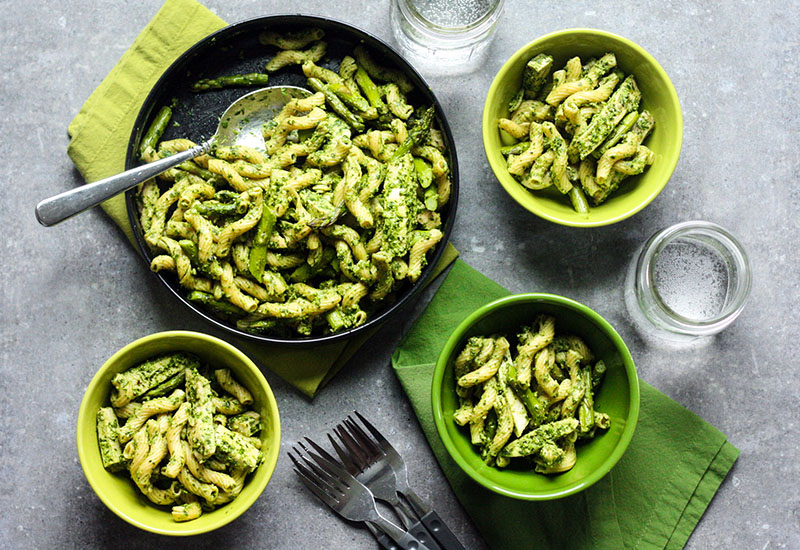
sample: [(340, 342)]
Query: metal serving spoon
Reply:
[(240, 124)]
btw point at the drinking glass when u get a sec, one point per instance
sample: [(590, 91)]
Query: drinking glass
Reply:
[(688, 281), (445, 37)]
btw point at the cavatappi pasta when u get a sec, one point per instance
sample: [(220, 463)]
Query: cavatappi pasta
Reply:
[(533, 404), (184, 434), (580, 133), (313, 234)]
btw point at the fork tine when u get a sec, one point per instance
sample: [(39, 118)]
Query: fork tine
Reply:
[(330, 481), (365, 440), (322, 495), (374, 431), (322, 452), (356, 453), (336, 470), (314, 476), (345, 458)]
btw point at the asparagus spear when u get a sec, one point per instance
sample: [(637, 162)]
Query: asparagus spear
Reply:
[(156, 130), (338, 106), (415, 134), (249, 79), (218, 305), (258, 254), (535, 73)]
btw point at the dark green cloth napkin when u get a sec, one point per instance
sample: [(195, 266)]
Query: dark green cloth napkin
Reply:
[(654, 496), (100, 134)]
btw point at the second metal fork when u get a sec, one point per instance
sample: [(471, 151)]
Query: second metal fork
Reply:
[(347, 496), (388, 457), (366, 463)]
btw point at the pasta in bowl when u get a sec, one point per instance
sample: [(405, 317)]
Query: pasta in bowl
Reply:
[(600, 120), (521, 426), (178, 433), (329, 228)]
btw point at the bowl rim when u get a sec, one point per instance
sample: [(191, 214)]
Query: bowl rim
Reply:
[(269, 462), (515, 190), (537, 297), (358, 35)]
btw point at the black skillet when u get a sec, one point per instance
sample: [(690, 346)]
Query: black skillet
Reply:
[(236, 49)]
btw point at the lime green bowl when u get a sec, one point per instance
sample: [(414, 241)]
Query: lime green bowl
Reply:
[(658, 96), (117, 491), (618, 396)]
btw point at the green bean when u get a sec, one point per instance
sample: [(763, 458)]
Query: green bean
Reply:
[(424, 173), (578, 199), (301, 274), (370, 90), (586, 409), (338, 320), (515, 148), (513, 105), (621, 129), (261, 325), (190, 249), (490, 426), (193, 168), (535, 73), (536, 407), (156, 130), (536, 439), (353, 99), (249, 79), (353, 120), (431, 198), (218, 305), (166, 386), (258, 253), (216, 208), (226, 195), (598, 371)]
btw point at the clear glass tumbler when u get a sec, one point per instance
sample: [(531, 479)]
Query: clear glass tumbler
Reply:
[(445, 37), (688, 281)]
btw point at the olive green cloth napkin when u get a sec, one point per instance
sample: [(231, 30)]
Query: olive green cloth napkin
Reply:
[(100, 134), (654, 496)]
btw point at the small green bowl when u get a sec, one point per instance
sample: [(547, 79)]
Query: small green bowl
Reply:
[(117, 491), (618, 396), (658, 96)]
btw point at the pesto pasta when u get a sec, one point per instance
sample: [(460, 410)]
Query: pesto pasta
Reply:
[(580, 133), (191, 450), (337, 215), (532, 405)]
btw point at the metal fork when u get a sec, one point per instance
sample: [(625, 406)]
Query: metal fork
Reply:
[(347, 496), (364, 462), (379, 535), (434, 523)]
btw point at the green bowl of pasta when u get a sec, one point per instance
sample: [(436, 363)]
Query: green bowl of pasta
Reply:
[(579, 192), (114, 485), (614, 405)]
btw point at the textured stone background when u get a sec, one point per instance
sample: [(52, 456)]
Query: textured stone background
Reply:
[(75, 293)]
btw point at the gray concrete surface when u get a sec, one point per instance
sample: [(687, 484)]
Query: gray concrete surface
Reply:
[(75, 293)]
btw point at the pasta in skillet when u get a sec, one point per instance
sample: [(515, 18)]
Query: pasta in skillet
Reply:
[(337, 214), (191, 450)]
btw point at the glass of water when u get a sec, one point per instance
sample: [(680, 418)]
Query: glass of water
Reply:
[(445, 37), (688, 281)]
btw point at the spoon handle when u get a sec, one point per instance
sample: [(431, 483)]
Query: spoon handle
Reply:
[(58, 208)]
